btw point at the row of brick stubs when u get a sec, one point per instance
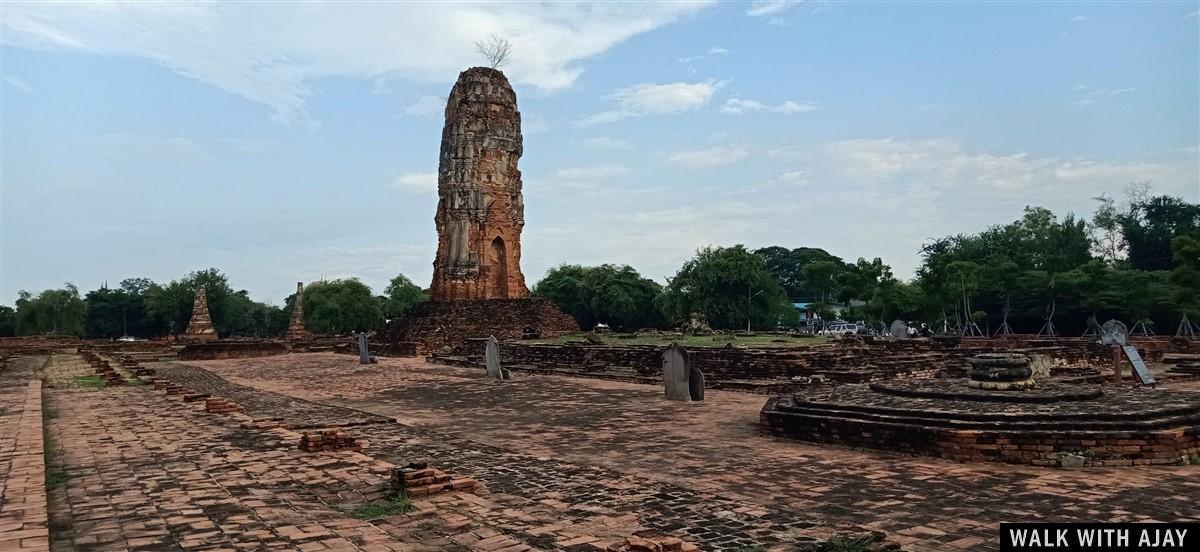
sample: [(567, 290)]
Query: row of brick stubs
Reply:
[(102, 368), (328, 440), (220, 405), (418, 479), (653, 544)]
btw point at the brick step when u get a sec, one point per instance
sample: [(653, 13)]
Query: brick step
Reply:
[(418, 479)]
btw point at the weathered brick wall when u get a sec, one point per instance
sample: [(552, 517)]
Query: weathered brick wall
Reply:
[(436, 325), (231, 349), (1115, 448)]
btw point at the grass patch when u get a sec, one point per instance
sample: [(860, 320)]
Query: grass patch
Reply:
[(848, 544), (135, 382), (55, 477), (90, 382), (691, 341), (380, 508)]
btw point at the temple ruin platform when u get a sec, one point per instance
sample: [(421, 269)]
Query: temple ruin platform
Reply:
[(1114, 426)]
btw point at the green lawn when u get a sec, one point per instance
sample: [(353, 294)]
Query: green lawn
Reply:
[(690, 341)]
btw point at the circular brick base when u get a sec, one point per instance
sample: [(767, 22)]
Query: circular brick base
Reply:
[(947, 419)]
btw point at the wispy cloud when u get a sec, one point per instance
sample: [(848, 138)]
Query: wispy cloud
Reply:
[(417, 182), (605, 143), (714, 51), (594, 172), (426, 106), (18, 83), (1079, 18), (790, 178), (253, 145), (737, 106), (150, 147), (655, 99), (710, 157), (766, 8), (226, 45), (1097, 95)]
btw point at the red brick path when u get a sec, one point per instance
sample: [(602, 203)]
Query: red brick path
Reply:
[(23, 520)]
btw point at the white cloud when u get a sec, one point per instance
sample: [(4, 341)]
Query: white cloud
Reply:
[(417, 182), (764, 8), (604, 143), (426, 106), (1079, 18), (655, 99), (1097, 95), (534, 124), (790, 178), (945, 165), (18, 83), (154, 148), (710, 157), (595, 172), (714, 51), (738, 106), (254, 145), (226, 45)]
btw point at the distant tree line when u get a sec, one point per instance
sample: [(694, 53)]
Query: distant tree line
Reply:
[(1138, 261), (139, 307)]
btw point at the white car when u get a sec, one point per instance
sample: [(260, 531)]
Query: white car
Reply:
[(842, 329)]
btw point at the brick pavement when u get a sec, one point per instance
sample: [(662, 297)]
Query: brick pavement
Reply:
[(550, 504), (23, 516), (705, 453)]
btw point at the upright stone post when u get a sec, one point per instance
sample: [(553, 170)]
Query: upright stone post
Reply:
[(677, 368), (364, 356), (492, 360), (1114, 334)]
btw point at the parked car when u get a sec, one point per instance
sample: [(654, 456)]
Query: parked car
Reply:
[(842, 329)]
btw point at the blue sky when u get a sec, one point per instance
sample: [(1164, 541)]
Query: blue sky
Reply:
[(287, 141)]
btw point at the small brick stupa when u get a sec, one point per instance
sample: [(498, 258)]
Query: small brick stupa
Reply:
[(478, 288), (296, 328), (200, 327)]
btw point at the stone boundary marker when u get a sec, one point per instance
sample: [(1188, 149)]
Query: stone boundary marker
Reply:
[(25, 491)]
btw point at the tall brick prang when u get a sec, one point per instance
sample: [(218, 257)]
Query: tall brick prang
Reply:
[(296, 329), (200, 327), (480, 209)]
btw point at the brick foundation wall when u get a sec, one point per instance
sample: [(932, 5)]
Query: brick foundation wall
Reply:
[(232, 349), (1114, 448), (731, 366), (438, 325)]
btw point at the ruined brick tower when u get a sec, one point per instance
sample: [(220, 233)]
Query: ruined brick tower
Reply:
[(200, 327), (296, 328), (480, 209)]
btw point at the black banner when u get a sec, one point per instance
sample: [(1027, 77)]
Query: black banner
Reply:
[(1024, 537)]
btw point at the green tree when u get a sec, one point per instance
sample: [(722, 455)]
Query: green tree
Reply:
[(400, 296), (8, 321), (1186, 276), (723, 283), (1149, 227), (615, 295), (788, 267), (341, 307), (53, 311), (819, 277)]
